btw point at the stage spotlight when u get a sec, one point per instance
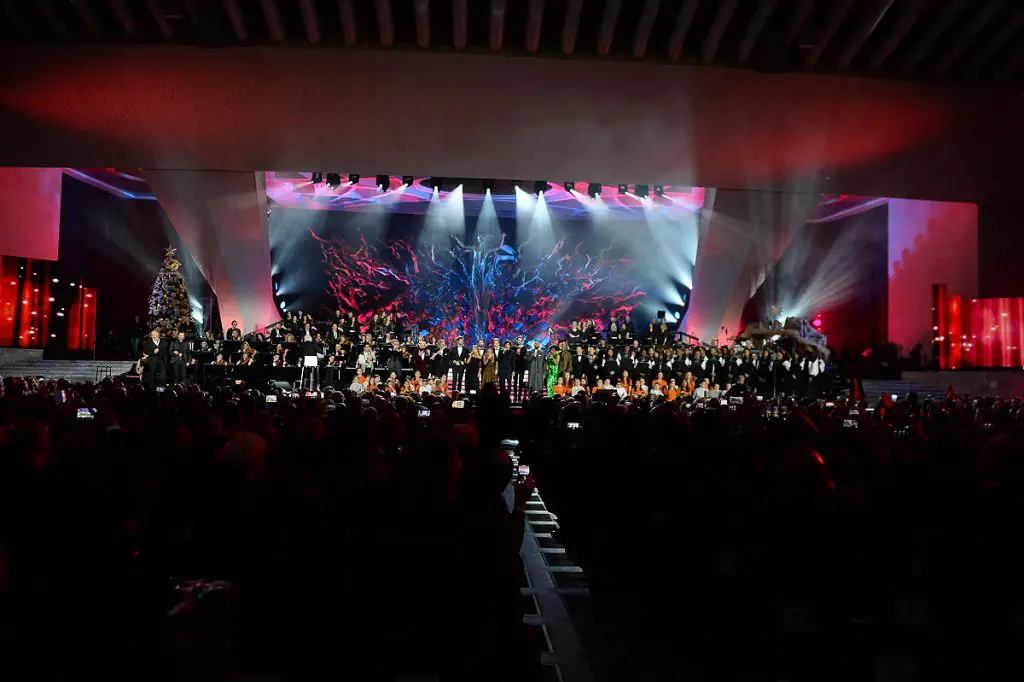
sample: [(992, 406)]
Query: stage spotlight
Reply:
[(623, 189), (640, 191), (659, 190), (489, 186), (353, 178), (438, 184), (333, 180), (407, 180), (570, 187), (383, 182), (317, 178), (594, 190), (540, 187)]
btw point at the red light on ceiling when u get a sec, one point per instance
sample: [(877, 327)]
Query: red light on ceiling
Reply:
[(817, 322)]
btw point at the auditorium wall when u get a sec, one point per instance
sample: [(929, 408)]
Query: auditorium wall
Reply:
[(930, 242), (117, 245), (30, 212)]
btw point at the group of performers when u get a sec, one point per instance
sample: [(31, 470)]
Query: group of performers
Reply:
[(384, 353)]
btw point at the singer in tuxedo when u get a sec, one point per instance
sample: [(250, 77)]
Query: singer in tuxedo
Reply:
[(459, 357), (177, 351), (154, 354)]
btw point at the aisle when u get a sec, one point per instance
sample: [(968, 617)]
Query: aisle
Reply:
[(554, 593)]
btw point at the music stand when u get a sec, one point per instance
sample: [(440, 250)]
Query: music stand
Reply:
[(312, 364)]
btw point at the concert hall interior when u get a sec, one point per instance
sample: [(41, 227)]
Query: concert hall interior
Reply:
[(305, 303)]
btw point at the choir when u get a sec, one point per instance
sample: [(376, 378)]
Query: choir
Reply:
[(382, 353)]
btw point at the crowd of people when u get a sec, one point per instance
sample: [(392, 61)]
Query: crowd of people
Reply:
[(331, 536), (793, 538), (369, 533), (384, 354)]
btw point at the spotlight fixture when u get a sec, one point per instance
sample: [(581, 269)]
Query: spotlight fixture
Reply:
[(623, 189), (570, 187), (640, 191), (333, 180), (317, 178), (383, 182), (407, 180), (540, 187), (659, 190), (489, 186), (594, 190), (353, 178), (438, 184)]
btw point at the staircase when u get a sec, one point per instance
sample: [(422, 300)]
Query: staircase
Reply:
[(77, 371), (874, 389)]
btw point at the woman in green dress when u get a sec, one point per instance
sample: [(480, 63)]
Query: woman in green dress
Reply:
[(489, 372), (552, 373)]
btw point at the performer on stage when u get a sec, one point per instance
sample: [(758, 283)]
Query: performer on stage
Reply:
[(552, 375), (459, 359), (177, 352), (154, 353), (535, 366)]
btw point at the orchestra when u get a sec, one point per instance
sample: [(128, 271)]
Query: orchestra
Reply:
[(382, 353)]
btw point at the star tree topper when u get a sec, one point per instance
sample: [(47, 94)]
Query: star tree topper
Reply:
[(169, 259)]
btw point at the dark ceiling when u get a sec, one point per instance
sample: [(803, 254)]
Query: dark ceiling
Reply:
[(966, 41)]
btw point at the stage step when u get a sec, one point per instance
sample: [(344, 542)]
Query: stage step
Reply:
[(77, 371), (874, 389)]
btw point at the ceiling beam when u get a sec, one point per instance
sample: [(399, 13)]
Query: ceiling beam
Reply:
[(237, 20), (606, 32), (571, 25), (644, 26), (1011, 66), (534, 21), (979, 19), (726, 8), (496, 36), (985, 54), (13, 14), (126, 17), (801, 10), (865, 27), (349, 33), (910, 12), (943, 20), (164, 26), (460, 23), (682, 26), (53, 18), (272, 14), (421, 11), (87, 13), (385, 24), (840, 9), (311, 20), (757, 23)]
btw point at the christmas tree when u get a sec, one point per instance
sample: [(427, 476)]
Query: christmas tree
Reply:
[(169, 306)]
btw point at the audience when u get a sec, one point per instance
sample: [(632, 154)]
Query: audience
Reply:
[(356, 536), (748, 539)]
